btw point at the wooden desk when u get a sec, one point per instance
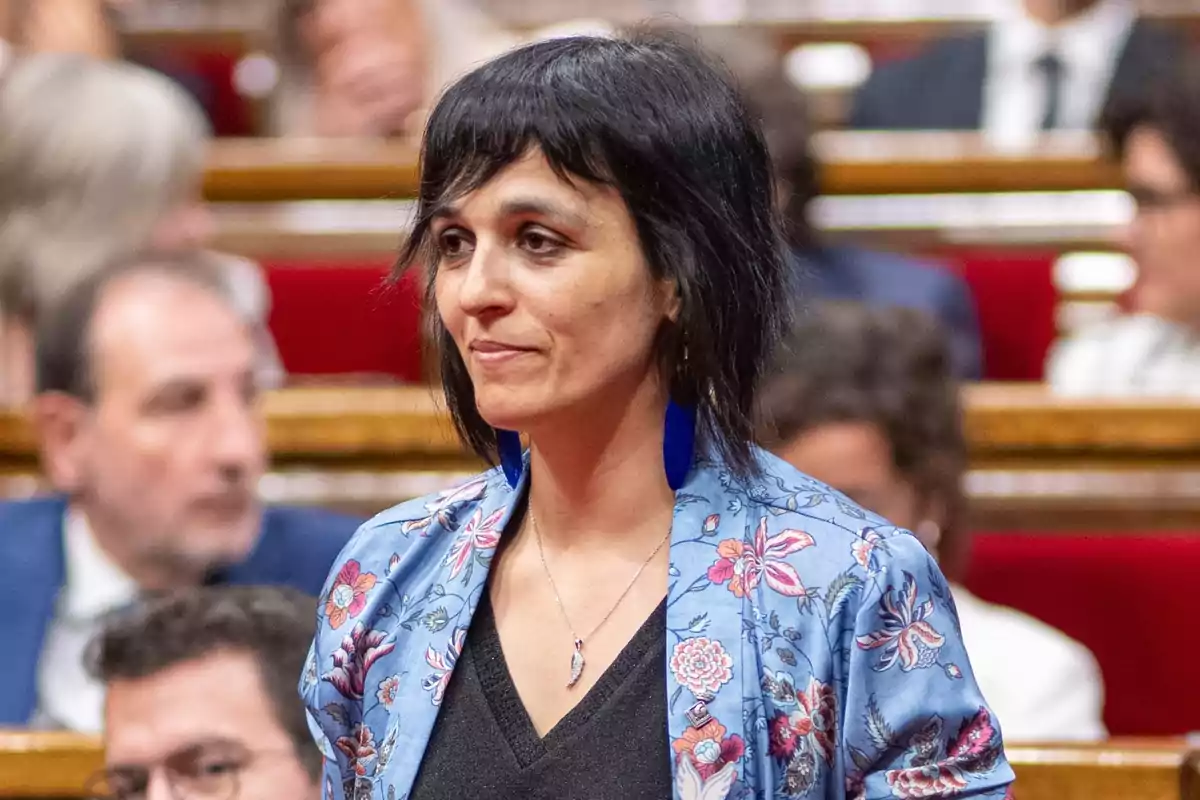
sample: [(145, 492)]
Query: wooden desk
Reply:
[(35, 765), (1037, 462), (47, 765), (1122, 769), (855, 163)]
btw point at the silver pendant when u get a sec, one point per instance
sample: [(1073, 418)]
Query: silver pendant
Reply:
[(577, 663)]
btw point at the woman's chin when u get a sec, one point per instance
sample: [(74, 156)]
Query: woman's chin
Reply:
[(507, 415)]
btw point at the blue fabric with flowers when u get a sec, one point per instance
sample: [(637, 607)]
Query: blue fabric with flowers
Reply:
[(813, 650)]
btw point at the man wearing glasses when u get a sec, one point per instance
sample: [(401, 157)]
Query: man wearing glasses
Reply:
[(1155, 348), (201, 701)]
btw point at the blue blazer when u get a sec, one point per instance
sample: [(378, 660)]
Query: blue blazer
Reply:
[(295, 548), (885, 279)]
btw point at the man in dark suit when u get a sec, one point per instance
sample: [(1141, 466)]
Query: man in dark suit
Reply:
[(827, 271), (148, 423), (1046, 65)]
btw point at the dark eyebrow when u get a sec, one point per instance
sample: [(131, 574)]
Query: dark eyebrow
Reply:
[(524, 206)]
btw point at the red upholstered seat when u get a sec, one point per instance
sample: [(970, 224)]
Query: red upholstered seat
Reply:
[(333, 318), (1015, 299), (1129, 597)]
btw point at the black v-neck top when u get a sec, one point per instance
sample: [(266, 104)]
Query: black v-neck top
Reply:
[(613, 745)]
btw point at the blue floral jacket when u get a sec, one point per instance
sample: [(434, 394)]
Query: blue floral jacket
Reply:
[(813, 650)]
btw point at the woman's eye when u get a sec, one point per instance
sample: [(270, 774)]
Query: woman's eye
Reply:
[(453, 244), (540, 243)]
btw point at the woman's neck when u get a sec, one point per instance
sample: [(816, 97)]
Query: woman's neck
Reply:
[(599, 477)]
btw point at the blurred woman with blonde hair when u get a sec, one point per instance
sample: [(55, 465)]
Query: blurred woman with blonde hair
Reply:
[(98, 159)]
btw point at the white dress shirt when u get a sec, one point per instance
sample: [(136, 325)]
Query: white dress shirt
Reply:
[(1041, 684), (1088, 45), (1135, 355), (67, 696)]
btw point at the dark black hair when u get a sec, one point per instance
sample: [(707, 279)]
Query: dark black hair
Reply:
[(1170, 105), (660, 123), (274, 625), (893, 367), (63, 333)]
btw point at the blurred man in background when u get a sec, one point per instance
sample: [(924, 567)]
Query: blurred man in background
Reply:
[(827, 270), (201, 697), (1154, 349), (150, 426), (1043, 65)]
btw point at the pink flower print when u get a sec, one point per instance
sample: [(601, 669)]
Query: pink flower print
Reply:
[(359, 748), (931, 780), (443, 665), (812, 724), (864, 546), (387, 690), (711, 522), (974, 751), (441, 509), (906, 636), (701, 665), (708, 748), (351, 662), (479, 535), (348, 595), (745, 566)]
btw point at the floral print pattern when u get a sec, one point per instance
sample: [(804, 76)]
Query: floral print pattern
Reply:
[(353, 658), (701, 666), (785, 600), (907, 636), (348, 595), (743, 565), (708, 748)]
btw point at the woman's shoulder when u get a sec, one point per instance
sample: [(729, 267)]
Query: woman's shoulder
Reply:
[(788, 498), (427, 522)]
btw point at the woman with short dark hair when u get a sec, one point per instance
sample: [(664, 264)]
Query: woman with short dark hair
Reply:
[(596, 219)]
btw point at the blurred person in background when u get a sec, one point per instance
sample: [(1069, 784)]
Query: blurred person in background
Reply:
[(69, 26), (838, 271), (1154, 349), (98, 159), (1041, 65), (373, 67), (352, 67), (865, 400), (150, 428), (200, 702)]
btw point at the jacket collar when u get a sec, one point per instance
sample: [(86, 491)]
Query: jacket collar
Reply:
[(454, 519)]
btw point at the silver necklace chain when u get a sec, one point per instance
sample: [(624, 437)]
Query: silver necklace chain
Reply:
[(577, 660)]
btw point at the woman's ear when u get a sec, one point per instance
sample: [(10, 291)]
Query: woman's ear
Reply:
[(671, 299)]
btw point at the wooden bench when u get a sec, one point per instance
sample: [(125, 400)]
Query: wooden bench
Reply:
[(1116, 770), (40, 766), (853, 163), (1037, 462)]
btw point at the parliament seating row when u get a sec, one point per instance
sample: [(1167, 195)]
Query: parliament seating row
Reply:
[(853, 163), (968, 208), (42, 766)]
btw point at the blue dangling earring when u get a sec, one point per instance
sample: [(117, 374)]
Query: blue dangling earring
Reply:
[(512, 459), (679, 443)]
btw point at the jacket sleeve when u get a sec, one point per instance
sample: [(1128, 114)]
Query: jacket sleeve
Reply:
[(915, 723)]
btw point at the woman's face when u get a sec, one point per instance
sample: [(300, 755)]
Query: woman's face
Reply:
[(543, 287)]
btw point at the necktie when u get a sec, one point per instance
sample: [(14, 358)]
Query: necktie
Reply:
[(1051, 68)]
